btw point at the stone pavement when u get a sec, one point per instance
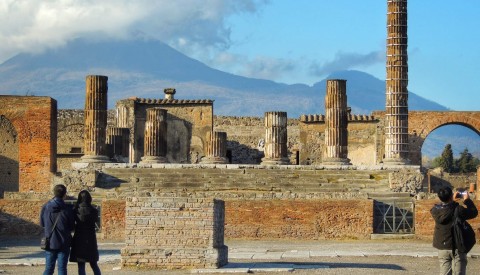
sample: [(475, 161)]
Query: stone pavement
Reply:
[(249, 255)]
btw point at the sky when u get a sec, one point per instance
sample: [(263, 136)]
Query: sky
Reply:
[(288, 41)]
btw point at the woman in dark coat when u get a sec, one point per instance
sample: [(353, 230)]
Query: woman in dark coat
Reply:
[(84, 243)]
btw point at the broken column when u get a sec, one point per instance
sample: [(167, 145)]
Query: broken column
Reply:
[(396, 109), (118, 143), (95, 119), (336, 121), (155, 141), (217, 149), (275, 139)]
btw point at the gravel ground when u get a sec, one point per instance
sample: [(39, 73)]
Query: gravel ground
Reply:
[(321, 265)]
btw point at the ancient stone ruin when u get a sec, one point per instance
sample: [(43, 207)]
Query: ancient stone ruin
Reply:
[(174, 181)]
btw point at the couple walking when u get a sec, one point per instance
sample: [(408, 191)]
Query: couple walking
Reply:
[(58, 220)]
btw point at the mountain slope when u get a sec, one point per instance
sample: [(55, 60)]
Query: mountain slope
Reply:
[(144, 68)]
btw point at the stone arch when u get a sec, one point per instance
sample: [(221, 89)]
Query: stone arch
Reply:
[(9, 151), (421, 124)]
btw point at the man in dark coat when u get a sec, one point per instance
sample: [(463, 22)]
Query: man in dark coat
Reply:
[(443, 214), (57, 215)]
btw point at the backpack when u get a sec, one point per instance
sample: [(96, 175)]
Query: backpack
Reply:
[(463, 234)]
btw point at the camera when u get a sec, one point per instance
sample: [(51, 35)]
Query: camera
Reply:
[(461, 194)]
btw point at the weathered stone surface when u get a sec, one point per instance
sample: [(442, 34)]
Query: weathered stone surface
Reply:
[(30, 153), (95, 119), (336, 120), (275, 139), (406, 181), (396, 114), (20, 217), (155, 138), (217, 149), (175, 232), (189, 122)]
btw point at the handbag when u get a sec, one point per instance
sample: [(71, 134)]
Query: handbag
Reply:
[(45, 241)]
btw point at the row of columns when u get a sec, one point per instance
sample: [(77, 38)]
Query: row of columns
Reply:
[(155, 138)]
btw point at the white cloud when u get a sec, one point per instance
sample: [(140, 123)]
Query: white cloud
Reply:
[(32, 26), (345, 61)]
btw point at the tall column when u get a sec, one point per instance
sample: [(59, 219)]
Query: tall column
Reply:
[(275, 139), (336, 120), (118, 142), (155, 142), (95, 119), (396, 109), (217, 149)]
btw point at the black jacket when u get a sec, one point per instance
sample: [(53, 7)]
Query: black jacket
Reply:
[(84, 243), (443, 215)]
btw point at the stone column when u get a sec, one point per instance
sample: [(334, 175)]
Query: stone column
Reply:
[(396, 109), (275, 138), (118, 140), (155, 142), (95, 119), (217, 149), (336, 121)]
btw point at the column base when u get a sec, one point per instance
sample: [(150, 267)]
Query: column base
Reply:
[(279, 161), (94, 159), (396, 161), (214, 160), (153, 159), (336, 161)]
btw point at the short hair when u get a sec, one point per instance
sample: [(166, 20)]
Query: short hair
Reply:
[(59, 191), (445, 194)]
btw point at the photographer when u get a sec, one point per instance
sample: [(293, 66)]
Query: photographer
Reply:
[(443, 214)]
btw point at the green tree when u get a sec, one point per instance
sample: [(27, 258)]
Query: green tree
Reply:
[(446, 161), (436, 162), (466, 163)]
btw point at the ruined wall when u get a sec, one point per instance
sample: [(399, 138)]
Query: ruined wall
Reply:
[(299, 219), (9, 166), (246, 137), (113, 219), (363, 138), (174, 233), (442, 179), (189, 124), (20, 217), (35, 122), (424, 223)]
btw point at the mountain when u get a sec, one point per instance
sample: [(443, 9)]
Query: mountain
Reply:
[(144, 68)]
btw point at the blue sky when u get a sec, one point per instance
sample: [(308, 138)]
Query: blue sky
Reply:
[(290, 41)]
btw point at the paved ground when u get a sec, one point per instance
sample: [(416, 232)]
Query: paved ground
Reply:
[(315, 257)]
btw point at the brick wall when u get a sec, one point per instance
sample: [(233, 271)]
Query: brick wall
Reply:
[(19, 217), (113, 219), (174, 233), (295, 219), (424, 223), (35, 121)]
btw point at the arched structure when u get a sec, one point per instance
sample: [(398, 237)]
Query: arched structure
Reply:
[(422, 123), (35, 121), (9, 171)]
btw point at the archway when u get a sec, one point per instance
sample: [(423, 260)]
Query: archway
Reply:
[(9, 166), (422, 123)]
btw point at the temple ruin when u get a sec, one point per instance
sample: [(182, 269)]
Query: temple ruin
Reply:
[(149, 161)]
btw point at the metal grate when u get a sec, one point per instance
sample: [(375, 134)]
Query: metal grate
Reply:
[(394, 217)]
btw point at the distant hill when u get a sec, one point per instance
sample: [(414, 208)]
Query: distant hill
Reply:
[(144, 68)]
